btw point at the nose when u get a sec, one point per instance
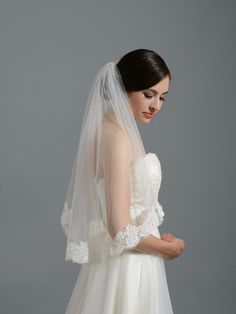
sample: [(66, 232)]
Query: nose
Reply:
[(155, 107)]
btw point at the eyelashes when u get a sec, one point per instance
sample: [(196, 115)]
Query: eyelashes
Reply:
[(151, 96)]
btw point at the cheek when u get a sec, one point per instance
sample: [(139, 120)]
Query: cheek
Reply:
[(138, 106), (138, 103)]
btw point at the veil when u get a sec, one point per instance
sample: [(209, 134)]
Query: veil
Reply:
[(96, 215)]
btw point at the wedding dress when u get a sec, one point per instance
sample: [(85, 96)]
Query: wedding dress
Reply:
[(131, 282)]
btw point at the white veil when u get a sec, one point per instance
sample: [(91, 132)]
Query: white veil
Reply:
[(109, 136)]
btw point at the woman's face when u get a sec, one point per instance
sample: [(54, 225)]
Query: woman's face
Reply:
[(148, 100)]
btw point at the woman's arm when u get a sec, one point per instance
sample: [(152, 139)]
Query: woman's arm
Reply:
[(169, 248), (153, 245), (117, 158)]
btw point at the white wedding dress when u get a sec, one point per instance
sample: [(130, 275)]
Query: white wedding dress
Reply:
[(132, 282)]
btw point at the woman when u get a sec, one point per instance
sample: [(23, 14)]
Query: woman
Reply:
[(112, 213)]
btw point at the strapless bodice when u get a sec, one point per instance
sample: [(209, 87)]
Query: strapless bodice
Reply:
[(144, 199)]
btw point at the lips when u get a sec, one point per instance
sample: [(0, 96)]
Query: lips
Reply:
[(149, 113)]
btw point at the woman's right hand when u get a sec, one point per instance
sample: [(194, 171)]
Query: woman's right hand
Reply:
[(174, 248)]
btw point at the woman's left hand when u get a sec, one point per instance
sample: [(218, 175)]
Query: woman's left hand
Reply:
[(167, 237)]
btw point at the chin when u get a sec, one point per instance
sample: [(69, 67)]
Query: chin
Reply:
[(143, 121)]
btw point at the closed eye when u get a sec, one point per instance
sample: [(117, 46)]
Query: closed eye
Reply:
[(151, 96), (148, 95)]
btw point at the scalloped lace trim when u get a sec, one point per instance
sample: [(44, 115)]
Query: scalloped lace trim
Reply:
[(77, 253), (126, 238), (131, 234)]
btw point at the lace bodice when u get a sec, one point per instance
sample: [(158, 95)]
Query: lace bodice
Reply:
[(145, 210), (140, 201)]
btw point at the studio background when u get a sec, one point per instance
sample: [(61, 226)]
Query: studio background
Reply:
[(49, 53)]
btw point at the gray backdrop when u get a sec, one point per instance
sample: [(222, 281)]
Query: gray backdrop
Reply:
[(50, 52)]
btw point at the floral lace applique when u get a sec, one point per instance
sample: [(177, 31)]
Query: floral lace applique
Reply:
[(77, 253), (144, 222), (131, 234)]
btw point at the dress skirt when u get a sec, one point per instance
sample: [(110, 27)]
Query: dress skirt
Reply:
[(130, 283)]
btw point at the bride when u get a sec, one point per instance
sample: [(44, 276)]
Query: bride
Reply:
[(112, 213)]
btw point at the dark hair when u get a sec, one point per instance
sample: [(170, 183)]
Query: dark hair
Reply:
[(142, 68)]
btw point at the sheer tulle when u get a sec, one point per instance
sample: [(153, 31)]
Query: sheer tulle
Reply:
[(131, 282), (109, 144), (111, 204)]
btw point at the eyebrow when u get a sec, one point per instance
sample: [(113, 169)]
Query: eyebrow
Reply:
[(156, 92)]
